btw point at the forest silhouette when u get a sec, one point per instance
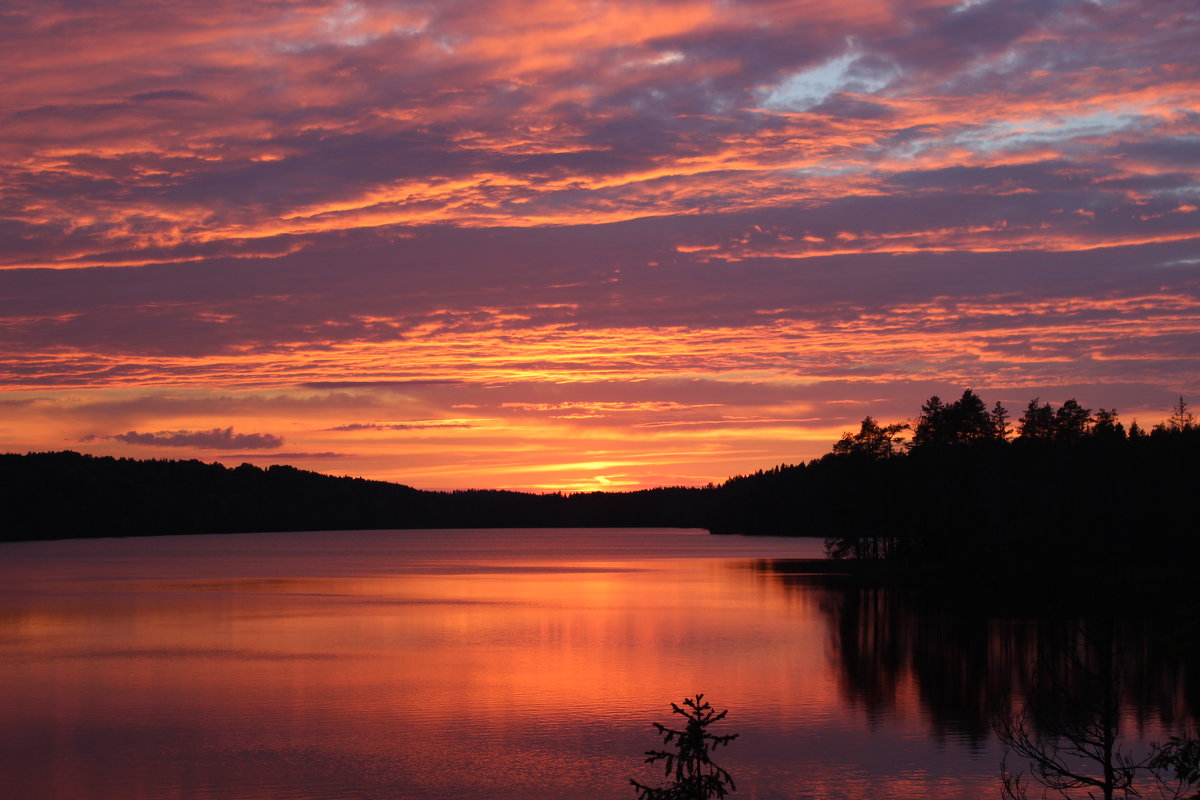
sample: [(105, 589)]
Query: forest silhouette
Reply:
[(1055, 489), (1064, 490)]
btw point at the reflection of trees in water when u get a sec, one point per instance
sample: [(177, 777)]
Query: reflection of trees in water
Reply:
[(973, 656), (958, 666), (1071, 739)]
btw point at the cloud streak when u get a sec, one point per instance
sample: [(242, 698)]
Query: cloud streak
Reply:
[(212, 214), (398, 426)]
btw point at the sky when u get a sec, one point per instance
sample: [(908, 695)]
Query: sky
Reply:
[(567, 245)]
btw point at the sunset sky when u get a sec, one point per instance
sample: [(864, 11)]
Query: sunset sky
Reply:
[(556, 244)]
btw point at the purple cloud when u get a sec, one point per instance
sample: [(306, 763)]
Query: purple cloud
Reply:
[(208, 440)]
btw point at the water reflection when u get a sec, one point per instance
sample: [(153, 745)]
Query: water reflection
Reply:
[(502, 664), (522, 664), (970, 657)]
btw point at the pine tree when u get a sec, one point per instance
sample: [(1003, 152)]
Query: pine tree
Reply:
[(964, 421), (696, 777), (1072, 421), (931, 424), (1106, 425), (1037, 422), (1000, 421), (871, 440), (1181, 419)]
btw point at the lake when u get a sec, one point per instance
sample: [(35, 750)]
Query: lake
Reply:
[(498, 664)]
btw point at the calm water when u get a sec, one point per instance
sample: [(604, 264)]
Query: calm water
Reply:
[(488, 664)]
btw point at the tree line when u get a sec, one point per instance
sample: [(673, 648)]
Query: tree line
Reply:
[(961, 483), (968, 421), (71, 495)]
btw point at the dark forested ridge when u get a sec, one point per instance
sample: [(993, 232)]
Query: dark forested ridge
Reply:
[(67, 495), (960, 484), (984, 498), (1064, 486)]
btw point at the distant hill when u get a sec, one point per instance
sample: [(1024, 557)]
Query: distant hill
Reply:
[(67, 495)]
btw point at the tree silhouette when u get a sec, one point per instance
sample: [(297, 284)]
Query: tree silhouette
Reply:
[(871, 440), (696, 777), (1076, 754), (1106, 425), (1072, 421), (964, 421), (999, 417), (1181, 756), (1037, 422), (1071, 742), (1181, 418), (930, 425)]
